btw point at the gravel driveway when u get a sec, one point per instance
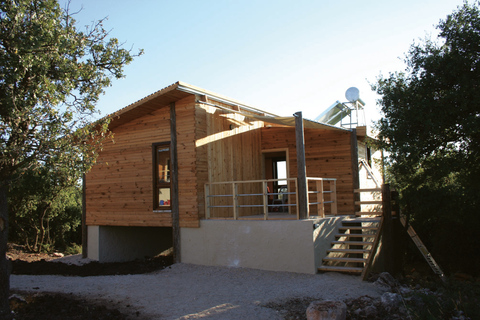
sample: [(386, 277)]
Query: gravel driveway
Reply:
[(185, 291)]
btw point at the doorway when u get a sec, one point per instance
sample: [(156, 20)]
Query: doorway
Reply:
[(275, 166)]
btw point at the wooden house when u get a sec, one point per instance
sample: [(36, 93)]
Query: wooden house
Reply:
[(220, 182)]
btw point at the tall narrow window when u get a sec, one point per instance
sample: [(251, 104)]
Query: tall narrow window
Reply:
[(161, 161)]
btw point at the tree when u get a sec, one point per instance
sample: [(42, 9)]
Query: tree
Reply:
[(45, 208), (431, 129), (51, 76)]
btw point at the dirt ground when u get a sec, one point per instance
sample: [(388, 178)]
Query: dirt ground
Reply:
[(39, 306), (42, 305)]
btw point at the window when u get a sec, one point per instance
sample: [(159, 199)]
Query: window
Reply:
[(161, 176)]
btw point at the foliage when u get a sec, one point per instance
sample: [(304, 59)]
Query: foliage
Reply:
[(451, 300), (51, 77), (45, 210), (431, 130)]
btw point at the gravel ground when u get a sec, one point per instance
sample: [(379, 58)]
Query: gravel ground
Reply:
[(185, 291)]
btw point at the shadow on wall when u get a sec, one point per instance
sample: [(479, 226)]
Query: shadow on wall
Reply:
[(323, 235), (120, 244)]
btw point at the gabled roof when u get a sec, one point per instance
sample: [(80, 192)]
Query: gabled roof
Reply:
[(180, 90)]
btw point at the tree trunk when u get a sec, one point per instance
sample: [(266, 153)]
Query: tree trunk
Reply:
[(42, 229), (4, 263)]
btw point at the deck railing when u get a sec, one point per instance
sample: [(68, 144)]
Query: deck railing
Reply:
[(369, 202), (258, 199)]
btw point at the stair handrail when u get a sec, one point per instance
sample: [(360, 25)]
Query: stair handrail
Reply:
[(369, 171)]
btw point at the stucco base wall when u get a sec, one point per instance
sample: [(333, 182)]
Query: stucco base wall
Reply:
[(267, 245), (119, 244), (324, 234)]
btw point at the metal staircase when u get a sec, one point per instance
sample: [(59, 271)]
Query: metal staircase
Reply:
[(353, 244)]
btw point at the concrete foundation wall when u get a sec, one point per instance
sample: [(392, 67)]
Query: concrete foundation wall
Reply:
[(324, 234), (267, 245), (118, 244)]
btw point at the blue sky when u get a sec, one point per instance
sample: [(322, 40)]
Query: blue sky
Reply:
[(278, 56)]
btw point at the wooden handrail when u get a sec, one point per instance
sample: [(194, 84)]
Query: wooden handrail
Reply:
[(369, 171), (367, 202)]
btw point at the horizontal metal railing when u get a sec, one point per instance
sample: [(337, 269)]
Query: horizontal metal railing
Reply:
[(229, 197)]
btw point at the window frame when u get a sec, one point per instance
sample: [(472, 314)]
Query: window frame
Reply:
[(156, 184)]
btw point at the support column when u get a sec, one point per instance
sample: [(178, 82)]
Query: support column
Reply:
[(355, 169), (301, 167), (174, 182), (387, 229), (84, 217)]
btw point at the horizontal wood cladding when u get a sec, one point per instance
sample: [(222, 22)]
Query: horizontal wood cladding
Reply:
[(130, 218), (119, 190), (187, 179), (327, 155)]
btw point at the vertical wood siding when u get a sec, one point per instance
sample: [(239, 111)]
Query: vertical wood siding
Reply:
[(327, 155), (228, 149)]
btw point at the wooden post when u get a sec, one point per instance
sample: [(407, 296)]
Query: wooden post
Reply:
[(265, 200), (84, 217), (174, 181), (302, 204), (355, 173), (387, 228), (235, 200), (207, 201), (333, 197), (399, 235), (320, 199)]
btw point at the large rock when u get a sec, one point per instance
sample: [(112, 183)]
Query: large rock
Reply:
[(387, 281), (391, 301), (327, 310)]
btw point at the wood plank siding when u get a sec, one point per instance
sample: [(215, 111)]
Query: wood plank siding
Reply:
[(186, 151), (327, 155), (119, 189), (214, 144), (228, 149)]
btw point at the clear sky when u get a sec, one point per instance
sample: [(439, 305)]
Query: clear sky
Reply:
[(276, 55)]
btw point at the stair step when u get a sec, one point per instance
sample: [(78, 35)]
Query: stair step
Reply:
[(354, 243), (349, 251), (342, 259), (362, 219), (369, 202), (340, 269), (358, 228), (368, 213), (354, 235), (368, 190)]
